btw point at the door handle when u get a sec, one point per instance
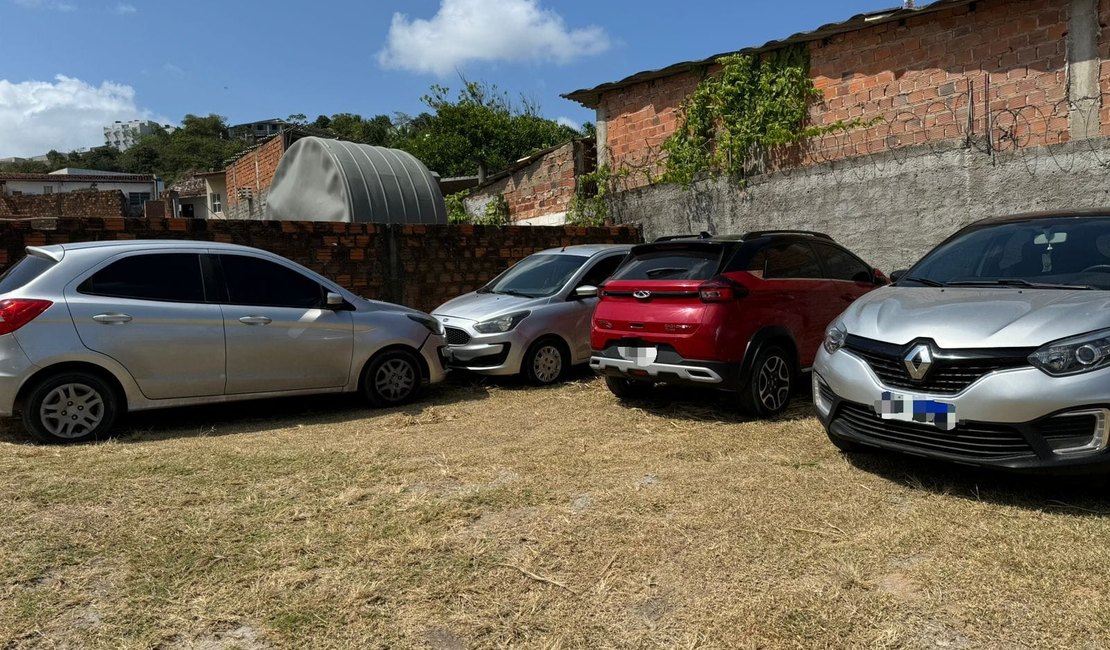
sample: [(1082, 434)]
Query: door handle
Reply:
[(112, 319), (255, 320)]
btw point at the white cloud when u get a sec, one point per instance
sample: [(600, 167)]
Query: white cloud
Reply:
[(479, 30), (65, 114), (567, 122), (124, 9), (56, 5)]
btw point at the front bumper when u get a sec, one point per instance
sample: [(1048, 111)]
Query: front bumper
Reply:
[(1009, 419), (487, 354), (434, 353), (663, 364)]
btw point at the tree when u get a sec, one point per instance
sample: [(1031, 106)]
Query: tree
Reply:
[(481, 130)]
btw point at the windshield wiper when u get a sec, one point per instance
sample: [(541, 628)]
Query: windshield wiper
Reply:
[(484, 289), (514, 292), (925, 281), (1018, 282)]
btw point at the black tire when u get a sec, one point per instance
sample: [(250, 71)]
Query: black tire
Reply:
[(392, 378), (845, 445), (626, 389), (771, 385), (70, 407), (545, 362)]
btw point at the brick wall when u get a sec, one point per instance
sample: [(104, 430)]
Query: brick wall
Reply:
[(249, 179), (64, 204), (541, 189), (917, 78), (418, 265)]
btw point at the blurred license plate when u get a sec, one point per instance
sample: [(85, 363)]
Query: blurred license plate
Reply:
[(641, 356), (895, 406)]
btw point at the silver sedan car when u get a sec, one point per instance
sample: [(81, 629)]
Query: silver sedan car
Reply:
[(533, 319), (91, 330)]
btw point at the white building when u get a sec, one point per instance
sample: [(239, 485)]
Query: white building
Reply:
[(138, 188), (123, 135)]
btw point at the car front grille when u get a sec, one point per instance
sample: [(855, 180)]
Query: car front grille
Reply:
[(456, 336), (970, 439), (951, 372)]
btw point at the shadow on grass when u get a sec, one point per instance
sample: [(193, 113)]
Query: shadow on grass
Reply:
[(253, 416), (1078, 495), (707, 404)]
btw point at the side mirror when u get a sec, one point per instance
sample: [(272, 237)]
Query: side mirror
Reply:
[(878, 278), (334, 301), (897, 275), (586, 291)]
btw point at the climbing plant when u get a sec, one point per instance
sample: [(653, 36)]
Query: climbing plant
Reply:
[(588, 206), (456, 207), (496, 212), (734, 118)]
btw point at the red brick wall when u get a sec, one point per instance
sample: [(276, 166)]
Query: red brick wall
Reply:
[(431, 263), (254, 171), (542, 188), (64, 204), (914, 77)]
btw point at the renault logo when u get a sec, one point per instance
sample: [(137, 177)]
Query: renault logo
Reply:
[(918, 361), (641, 294)]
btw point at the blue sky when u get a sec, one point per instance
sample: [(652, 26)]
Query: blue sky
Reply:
[(69, 66)]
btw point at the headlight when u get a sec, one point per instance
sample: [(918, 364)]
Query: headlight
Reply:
[(1076, 355), (501, 323), (835, 337), (433, 325)]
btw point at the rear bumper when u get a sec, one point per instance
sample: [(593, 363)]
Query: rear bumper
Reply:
[(666, 366)]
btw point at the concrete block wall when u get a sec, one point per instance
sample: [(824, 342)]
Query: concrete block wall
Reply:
[(249, 179), (417, 265)]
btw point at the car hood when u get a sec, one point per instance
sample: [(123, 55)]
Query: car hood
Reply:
[(476, 306), (977, 317)]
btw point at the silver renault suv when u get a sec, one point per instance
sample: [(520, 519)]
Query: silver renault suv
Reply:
[(993, 350), (533, 319), (91, 330)]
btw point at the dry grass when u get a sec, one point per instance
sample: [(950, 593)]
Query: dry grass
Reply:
[(494, 515)]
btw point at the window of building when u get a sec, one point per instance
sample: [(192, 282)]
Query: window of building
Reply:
[(17, 193), (47, 189), (217, 202), (137, 199)]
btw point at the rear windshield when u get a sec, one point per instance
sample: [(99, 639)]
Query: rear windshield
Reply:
[(682, 264), (23, 271)]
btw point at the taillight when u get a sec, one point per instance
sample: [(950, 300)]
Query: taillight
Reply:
[(720, 289), (17, 312)]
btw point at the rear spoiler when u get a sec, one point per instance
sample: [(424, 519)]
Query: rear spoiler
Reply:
[(54, 253), (702, 235)]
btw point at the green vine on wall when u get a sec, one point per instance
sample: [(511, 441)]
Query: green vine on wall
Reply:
[(456, 207), (734, 119), (496, 212), (589, 206)]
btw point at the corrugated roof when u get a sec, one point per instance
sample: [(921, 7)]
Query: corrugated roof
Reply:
[(590, 97)]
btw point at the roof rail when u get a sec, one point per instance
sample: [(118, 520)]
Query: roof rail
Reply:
[(765, 233), (701, 235)]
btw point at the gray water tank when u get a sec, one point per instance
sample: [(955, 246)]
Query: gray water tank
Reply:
[(331, 180)]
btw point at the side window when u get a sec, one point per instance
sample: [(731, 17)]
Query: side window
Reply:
[(255, 281), (842, 265), (172, 277), (790, 260), (601, 270)]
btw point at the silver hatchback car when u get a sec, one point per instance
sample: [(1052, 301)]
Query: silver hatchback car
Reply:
[(91, 330), (993, 350), (533, 319)]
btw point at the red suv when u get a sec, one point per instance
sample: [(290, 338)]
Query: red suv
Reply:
[(738, 313)]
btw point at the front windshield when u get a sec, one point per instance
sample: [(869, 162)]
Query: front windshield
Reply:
[(1052, 253), (536, 276)]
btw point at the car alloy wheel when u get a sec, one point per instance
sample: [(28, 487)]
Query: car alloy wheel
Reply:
[(70, 407), (395, 379), (773, 383), (547, 365)]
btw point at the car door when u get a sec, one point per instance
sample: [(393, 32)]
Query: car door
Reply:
[(581, 310), (279, 335), (849, 277), (149, 312), (792, 271)]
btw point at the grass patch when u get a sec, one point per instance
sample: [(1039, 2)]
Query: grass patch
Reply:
[(493, 515)]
